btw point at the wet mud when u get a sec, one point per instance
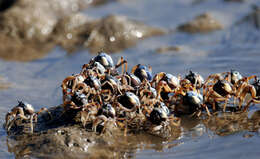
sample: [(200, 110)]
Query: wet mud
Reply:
[(61, 137), (61, 23), (110, 34), (203, 23), (62, 133)]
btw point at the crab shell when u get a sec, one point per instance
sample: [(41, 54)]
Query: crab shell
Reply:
[(93, 82), (100, 68), (172, 81), (79, 99), (192, 76), (192, 102), (28, 108), (142, 72), (129, 100), (163, 107), (107, 110), (222, 87), (105, 60), (194, 97), (256, 85), (135, 81), (110, 82), (235, 76), (157, 116)]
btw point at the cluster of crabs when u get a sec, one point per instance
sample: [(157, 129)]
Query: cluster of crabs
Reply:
[(138, 100)]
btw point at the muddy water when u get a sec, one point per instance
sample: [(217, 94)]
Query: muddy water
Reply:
[(236, 46)]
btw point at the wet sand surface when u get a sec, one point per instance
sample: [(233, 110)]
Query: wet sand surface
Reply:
[(235, 46)]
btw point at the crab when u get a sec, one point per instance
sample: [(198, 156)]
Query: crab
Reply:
[(105, 122), (147, 94), (221, 87), (69, 84), (196, 79), (244, 88), (78, 100), (191, 103), (130, 79), (23, 111), (106, 115), (163, 90), (235, 76), (232, 77), (129, 108), (89, 113), (220, 91), (170, 79), (93, 82), (111, 87), (95, 67), (107, 62), (108, 110), (128, 102), (91, 94), (161, 118), (142, 72)]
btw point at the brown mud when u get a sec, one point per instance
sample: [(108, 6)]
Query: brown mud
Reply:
[(203, 23), (61, 133), (61, 23)]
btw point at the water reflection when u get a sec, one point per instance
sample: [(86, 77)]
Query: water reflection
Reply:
[(230, 123), (54, 143)]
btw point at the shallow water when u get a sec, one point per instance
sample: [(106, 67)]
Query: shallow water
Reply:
[(234, 47)]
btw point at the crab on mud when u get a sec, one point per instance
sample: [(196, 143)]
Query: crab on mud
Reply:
[(107, 62), (244, 87), (218, 88), (196, 79), (161, 119), (22, 112), (190, 104)]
